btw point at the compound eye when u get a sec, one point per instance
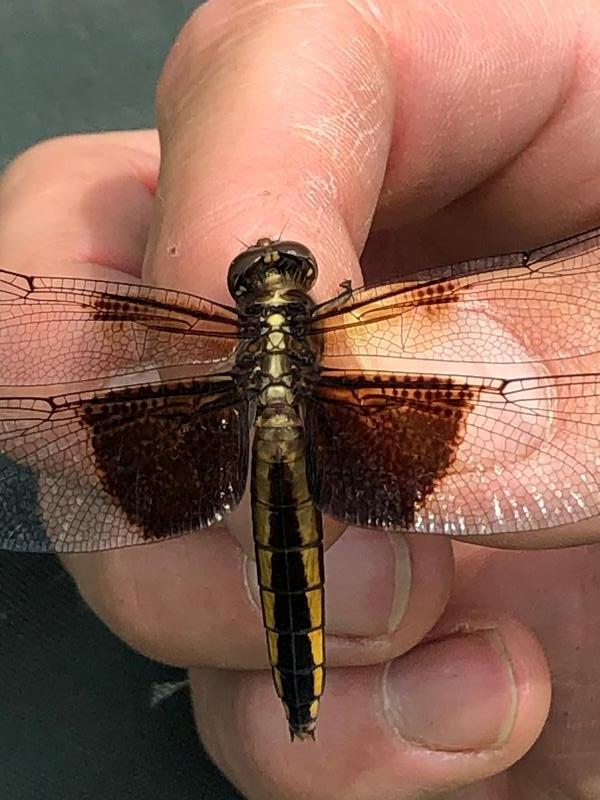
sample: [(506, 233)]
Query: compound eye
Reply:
[(296, 250), (301, 253), (239, 269)]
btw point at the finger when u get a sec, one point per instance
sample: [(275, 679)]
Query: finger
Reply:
[(296, 147), (560, 603), (79, 202), (458, 708), (492, 149), (194, 600)]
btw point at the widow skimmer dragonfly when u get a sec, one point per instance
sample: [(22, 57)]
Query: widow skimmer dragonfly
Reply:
[(459, 400)]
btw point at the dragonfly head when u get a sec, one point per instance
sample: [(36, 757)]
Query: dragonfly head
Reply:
[(270, 265)]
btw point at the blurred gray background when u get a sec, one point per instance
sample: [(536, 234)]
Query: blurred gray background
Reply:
[(81, 65), (80, 716)]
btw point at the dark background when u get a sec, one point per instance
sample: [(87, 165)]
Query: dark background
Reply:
[(77, 719)]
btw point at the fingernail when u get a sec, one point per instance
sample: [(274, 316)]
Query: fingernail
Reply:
[(367, 583), (457, 693)]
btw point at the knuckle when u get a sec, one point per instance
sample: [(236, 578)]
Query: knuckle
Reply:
[(40, 152), (123, 603), (41, 162)]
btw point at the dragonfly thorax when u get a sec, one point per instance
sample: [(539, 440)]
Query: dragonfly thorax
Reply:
[(280, 356)]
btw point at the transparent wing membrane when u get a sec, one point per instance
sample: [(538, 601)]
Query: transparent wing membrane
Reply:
[(64, 330), (531, 306)]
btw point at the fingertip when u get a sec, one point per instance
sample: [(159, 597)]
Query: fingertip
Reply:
[(285, 152), (360, 749)]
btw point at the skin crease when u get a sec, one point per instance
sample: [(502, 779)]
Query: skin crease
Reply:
[(454, 134)]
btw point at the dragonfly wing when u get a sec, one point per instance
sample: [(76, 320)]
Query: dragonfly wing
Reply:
[(527, 307), (100, 469), (63, 330), (456, 455)]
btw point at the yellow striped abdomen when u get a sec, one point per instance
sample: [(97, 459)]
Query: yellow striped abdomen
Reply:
[(289, 553)]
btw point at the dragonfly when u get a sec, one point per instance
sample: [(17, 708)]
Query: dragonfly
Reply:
[(461, 400)]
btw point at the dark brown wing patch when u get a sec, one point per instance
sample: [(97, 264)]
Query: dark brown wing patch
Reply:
[(460, 456), (108, 469), (173, 458), (377, 447)]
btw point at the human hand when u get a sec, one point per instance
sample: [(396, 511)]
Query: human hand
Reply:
[(279, 114)]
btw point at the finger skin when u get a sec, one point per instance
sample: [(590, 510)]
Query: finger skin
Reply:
[(298, 145), (557, 595), (487, 147), (358, 754), (78, 204)]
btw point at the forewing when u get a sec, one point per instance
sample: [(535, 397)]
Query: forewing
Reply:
[(63, 330), (527, 307), (101, 469), (457, 455)]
